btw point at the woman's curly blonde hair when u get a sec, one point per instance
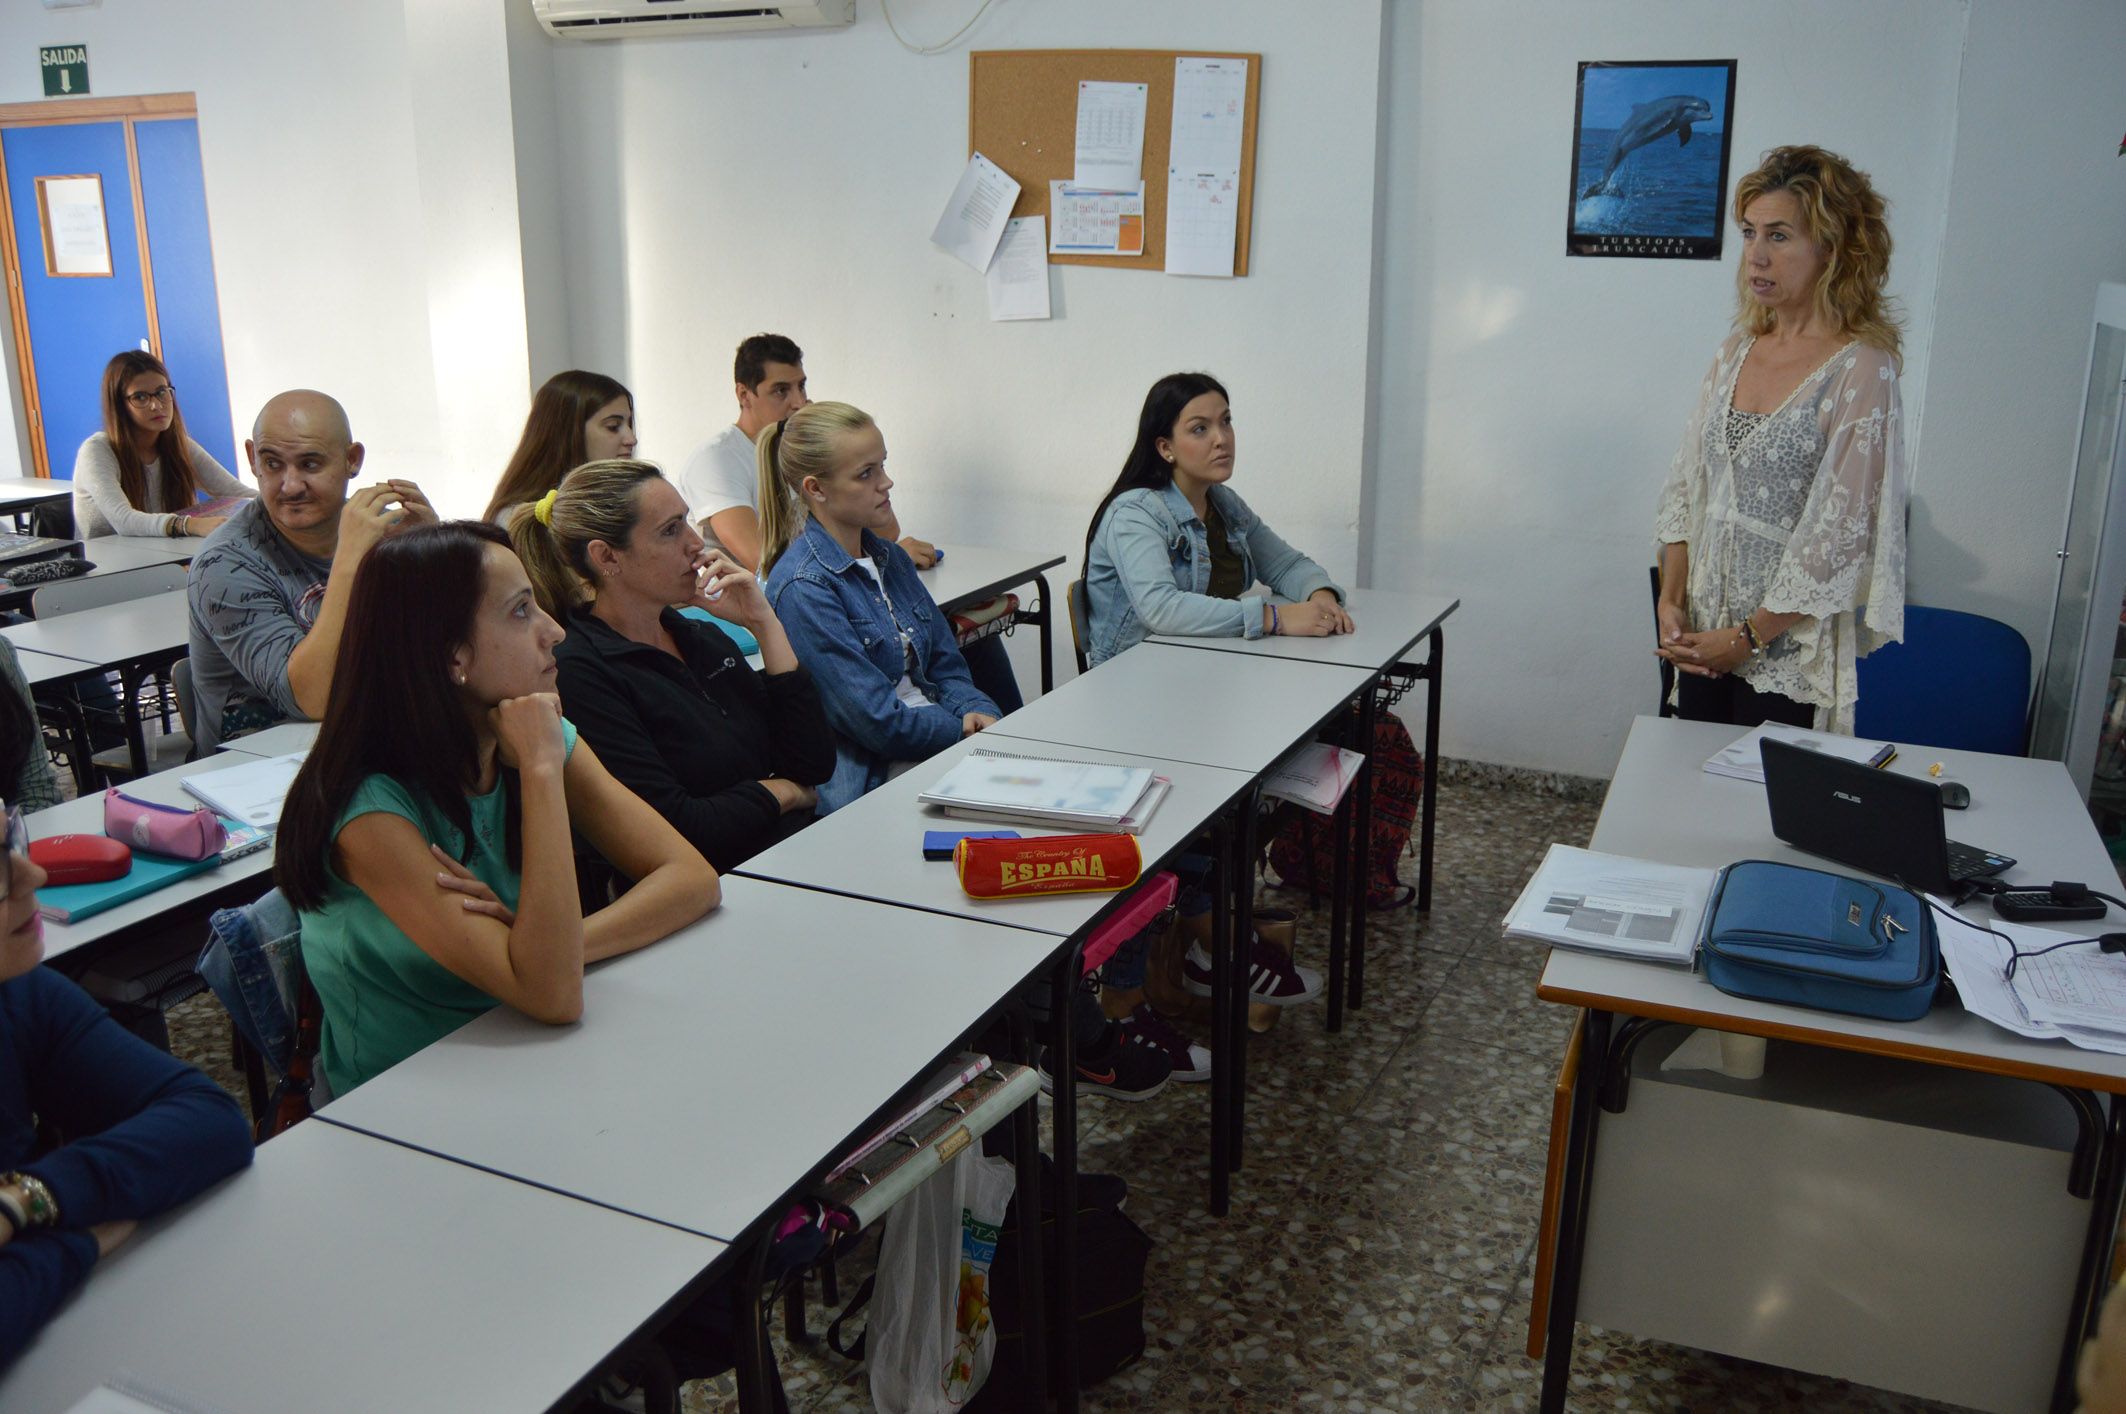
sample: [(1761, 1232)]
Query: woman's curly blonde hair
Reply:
[(1845, 216)]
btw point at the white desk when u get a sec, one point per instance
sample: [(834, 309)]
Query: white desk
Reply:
[(116, 554), (971, 574), (283, 740), (340, 1272), (1389, 626), (41, 668), (714, 1070), (84, 816), (19, 493), (872, 848), (111, 635), (1180, 705), (1663, 805)]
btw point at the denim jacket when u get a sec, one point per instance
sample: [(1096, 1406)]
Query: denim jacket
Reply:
[(848, 638), (1150, 565)]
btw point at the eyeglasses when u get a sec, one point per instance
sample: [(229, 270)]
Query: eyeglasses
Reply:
[(164, 394), (18, 842)]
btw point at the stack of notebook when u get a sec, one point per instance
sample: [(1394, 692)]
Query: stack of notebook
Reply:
[(1062, 795)]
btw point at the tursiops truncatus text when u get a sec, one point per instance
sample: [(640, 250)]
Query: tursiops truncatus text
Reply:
[(1649, 121)]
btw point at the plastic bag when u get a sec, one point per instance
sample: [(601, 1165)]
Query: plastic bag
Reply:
[(930, 1339)]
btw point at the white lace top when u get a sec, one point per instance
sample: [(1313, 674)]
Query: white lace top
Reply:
[(1801, 513)]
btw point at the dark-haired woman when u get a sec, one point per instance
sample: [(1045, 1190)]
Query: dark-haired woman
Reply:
[(576, 417), (426, 842), (1173, 549), (731, 757), (142, 475), (136, 1130)]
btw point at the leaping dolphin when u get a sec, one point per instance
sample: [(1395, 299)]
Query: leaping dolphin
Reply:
[(1649, 121)]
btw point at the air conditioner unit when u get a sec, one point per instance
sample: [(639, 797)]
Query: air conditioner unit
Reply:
[(625, 19)]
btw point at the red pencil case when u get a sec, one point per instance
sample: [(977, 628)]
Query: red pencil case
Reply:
[(1049, 864)]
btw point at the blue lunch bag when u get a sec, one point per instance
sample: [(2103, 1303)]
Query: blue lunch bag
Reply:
[(1804, 937)]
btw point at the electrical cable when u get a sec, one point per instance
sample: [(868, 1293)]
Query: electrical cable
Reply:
[(886, 8)]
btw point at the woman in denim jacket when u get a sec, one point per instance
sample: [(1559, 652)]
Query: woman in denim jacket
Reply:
[(1172, 549), (888, 671)]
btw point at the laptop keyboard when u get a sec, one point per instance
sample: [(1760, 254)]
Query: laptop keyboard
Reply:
[(1970, 862)]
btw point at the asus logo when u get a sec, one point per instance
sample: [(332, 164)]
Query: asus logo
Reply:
[(1848, 799)]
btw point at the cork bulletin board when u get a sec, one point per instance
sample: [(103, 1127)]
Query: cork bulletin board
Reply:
[(1022, 114)]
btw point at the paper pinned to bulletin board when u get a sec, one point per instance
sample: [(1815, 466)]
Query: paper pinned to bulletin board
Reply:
[(1022, 113)]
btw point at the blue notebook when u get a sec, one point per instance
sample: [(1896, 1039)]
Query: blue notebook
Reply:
[(70, 903)]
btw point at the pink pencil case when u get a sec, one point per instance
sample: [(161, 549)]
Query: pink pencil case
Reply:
[(163, 829)]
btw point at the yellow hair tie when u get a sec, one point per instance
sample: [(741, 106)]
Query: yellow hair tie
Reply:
[(543, 508)]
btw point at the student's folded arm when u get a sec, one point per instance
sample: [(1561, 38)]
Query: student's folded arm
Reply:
[(947, 668), (534, 965), (1138, 544), (673, 884), (38, 1271), (1291, 574), (725, 824), (804, 739), (860, 701), (153, 1130), (237, 603)]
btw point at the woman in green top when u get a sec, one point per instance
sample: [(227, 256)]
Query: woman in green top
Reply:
[(426, 841)]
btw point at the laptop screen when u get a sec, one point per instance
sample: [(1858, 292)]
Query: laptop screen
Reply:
[(1858, 815)]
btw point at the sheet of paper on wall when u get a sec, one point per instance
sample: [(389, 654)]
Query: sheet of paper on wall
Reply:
[(1110, 135), (1202, 223), (975, 217), (1089, 222), (1018, 276), (1210, 115)]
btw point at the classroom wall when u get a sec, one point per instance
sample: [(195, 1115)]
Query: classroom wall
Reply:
[(1530, 403), (722, 186), (362, 200)]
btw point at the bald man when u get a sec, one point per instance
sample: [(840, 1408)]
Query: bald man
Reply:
[(269, 589)]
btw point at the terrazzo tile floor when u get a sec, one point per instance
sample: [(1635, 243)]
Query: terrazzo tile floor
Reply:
[(1381, 1249)]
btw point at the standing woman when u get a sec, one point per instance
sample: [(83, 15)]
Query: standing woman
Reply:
[(730, 756), (889, 673), (1173, 549), (1782, 526), (142, 475), (426, 841), (576, 417)]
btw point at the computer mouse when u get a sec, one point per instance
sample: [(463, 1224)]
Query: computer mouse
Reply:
[(1955, 795)]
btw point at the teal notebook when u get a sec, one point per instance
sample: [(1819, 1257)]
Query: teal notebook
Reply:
[(740, 635), (70, 903)]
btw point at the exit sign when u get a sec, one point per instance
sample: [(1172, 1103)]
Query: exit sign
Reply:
[(66, 70)]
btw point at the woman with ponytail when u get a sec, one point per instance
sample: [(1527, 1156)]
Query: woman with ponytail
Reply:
[(895, 686), (731, 757)]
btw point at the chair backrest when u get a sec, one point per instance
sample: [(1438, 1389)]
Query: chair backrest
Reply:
[(1668, 669), (181, 684), (1958, 680), (53, 519), (1080, 620), (70, 596)]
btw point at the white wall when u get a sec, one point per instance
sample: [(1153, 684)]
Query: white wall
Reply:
[(723, 186), (1529, 403), (362, 205)]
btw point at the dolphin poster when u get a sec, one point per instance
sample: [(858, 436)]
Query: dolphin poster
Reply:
[(1649, 159)]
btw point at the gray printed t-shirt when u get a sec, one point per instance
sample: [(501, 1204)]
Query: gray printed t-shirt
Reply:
[(253, 597)]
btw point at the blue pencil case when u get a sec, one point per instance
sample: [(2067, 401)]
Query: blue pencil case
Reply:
[(1805, 937)]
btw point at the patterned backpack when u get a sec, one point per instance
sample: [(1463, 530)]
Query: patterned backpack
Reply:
[(1303, 852)]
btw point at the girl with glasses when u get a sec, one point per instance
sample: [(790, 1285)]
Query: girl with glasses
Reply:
[(142, 475)]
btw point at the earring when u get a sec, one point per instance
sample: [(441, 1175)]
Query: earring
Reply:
[(461, 679)]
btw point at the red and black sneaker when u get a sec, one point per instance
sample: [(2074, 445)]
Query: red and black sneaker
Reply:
[(1272, 977), (1146, 1027), (1113, 1067)]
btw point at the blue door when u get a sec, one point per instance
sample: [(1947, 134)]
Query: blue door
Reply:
[(76, 322)]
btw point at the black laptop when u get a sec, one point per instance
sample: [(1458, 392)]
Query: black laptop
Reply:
[(1866, 818)]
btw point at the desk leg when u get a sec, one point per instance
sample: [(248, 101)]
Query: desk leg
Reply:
[(1048, 635), (130, 679), (1431, 787), (1572, 1212), (2093, 1278), (1243, 883), (1221, 1042), (1063, 1067), (749, 1330), (1362, 844), (1026, 1147), (1339, 907)]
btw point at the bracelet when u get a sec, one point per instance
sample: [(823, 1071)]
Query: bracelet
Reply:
[(1273, 620), (12, 1210), (1749, 631), (38, 1208)]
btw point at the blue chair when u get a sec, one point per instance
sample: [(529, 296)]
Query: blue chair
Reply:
[(1958, 680)]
